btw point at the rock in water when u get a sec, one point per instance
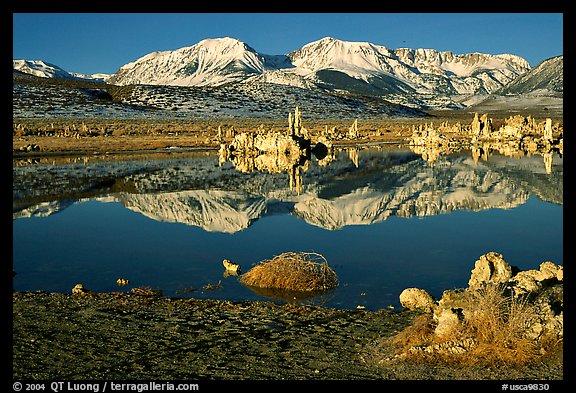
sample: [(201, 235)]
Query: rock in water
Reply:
[(231, 267)]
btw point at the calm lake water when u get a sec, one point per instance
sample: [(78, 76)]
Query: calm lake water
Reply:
[(384, 218)]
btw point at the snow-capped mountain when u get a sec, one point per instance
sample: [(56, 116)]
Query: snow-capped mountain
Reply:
[(98, 77), (43, 69), (546, 77), (407, 70), (417, 78), (211, 62), (541, 89), (329, 63), (359, 59)]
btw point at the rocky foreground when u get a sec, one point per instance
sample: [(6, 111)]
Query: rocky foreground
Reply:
[(504, 314), (133, 336)]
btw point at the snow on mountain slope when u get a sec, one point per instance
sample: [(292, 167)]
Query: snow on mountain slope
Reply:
[(288, 77), (416, 78), (91, 77), (426, 70), (41, 69), (46, 70), (546, 77), (461, 65), (213, 62), (357, 59), (540, 89), (329, 63)]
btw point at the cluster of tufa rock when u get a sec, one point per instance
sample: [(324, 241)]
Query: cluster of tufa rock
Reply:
[(30, 147), (482, 128), (541, 288), (58, 130), (79, 290), (427, 135), (277, 152), (517, 136), (280, 150)]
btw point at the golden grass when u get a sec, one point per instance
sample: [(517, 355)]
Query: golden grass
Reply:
[(420, 332), (95, 134), (303, 272), (497, 323)]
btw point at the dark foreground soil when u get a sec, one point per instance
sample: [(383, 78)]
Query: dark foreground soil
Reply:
[(119, 336)]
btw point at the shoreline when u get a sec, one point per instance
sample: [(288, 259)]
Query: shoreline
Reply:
[(53, 146), (47, 137), (126, 336)]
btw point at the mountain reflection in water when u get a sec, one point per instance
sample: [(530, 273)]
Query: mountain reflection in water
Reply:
[(344, 188), (339, 190)]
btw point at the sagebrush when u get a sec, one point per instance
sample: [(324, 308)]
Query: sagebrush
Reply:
[(295, 271)]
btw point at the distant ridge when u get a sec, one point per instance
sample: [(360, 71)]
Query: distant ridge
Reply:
[(417, 78), (43, 69), (546, 78), (541, 90)]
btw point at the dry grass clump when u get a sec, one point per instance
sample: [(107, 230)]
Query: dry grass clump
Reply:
[(500, 324), (494, 330), (302, 272), (418, 333)]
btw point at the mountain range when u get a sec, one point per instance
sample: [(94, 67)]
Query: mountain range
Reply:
[(362, 65), (416, 78)]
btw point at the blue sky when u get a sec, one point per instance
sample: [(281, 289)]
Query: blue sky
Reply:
[(101, 43)]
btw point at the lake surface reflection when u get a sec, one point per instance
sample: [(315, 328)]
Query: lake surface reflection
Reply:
[(383, 217)]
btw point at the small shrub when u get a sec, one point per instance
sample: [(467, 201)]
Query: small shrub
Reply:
[(303, 272)]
